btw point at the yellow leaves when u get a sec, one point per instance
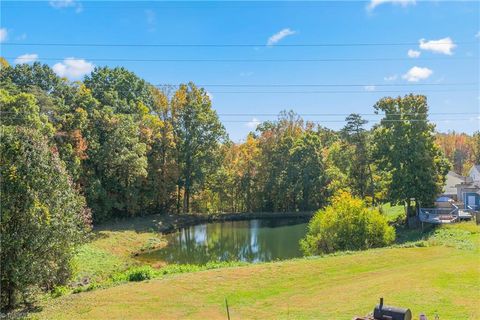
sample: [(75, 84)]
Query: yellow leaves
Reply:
[(142, 108), (41, 211), (12, 173), (81, 113)]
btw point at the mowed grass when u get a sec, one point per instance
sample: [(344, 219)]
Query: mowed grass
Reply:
[(441, 278)]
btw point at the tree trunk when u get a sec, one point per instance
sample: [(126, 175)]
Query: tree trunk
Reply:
[(178, 199)]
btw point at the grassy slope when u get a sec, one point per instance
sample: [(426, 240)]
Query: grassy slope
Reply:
[(113, 245), (112, 251), (442, 278)]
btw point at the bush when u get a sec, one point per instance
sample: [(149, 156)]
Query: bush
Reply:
[(347, 224), (140, 274), (43, 216)]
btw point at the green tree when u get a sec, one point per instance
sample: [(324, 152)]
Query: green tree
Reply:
[(121, 90), (36, 75), (22, 110), (157, 133), (276, 181), (306, 164), (346, 224), (360, 173), (198, 136), (116, 165), (43, 217), (405, 148)]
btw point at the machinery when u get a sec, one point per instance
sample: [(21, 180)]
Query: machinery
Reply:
[(383, 312)]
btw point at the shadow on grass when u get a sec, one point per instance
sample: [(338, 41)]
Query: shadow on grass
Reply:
[(148, 223), (22, 312), (405, 234)]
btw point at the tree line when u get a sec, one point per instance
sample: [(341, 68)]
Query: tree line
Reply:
[(113, 145)]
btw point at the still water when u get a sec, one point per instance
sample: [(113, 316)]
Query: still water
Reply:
[(252, 240)]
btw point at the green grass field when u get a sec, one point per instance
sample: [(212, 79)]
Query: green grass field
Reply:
[(439, 275)]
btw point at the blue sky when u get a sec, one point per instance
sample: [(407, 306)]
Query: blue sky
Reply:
[(433, 48)]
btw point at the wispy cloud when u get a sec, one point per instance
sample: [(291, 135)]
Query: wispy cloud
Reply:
[(370, 88), (375, 3), (477, 35), (253, 124), (413, 53), (26, 58), (73, 68), (416, 74), (62, 4), (444, 45), (280, 35), (3, 34), (151, 20), (391, 78)]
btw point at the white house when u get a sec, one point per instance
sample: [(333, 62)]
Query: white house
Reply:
[(464, 190)]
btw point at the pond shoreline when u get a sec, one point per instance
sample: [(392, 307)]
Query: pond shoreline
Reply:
[(168, 223), (174, 223)]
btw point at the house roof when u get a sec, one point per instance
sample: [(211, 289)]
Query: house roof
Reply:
[(452, 180)]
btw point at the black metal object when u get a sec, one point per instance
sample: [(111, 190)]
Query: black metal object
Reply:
[(382, 312)]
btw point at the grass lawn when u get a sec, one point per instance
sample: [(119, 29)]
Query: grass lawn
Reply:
[(442, 277)]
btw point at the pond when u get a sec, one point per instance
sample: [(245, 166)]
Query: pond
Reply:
[(255, 240)]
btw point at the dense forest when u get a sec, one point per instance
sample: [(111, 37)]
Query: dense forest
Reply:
[(75, 154), (132, 149)]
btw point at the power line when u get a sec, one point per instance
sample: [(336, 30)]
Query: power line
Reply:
[(332, 121), (378, 120), (275, 85), (328, 114), (347, 114), (176, 4), (259, 60), (216, 45), (419, 91)]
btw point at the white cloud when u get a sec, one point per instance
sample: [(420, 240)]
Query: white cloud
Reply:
[(413, 53), (73, 68), (26, 58), (477, 35), (369, 88), (3, 34), (62, 4), (253, 123), (391, 78), (279, 36), (375, 3), (444, 45), (416, 74)]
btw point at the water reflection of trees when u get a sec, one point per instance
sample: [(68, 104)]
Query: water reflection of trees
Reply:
[(254, 240)]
